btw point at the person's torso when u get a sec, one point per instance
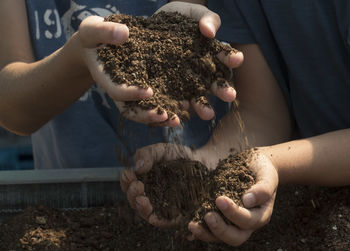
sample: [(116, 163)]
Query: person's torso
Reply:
[(307, 44)]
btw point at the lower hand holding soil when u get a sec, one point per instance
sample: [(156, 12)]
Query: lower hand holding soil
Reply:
[(183, 190)]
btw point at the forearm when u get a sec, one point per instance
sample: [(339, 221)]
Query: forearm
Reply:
[(320, 160), (241, 129), (33, 93), (261, 117)]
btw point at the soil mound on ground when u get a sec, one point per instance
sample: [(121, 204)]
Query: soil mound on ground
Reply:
[(304, 218), (168, 53)]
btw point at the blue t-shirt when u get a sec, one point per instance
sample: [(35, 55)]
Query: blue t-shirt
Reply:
[(90, 132), (307, 45)]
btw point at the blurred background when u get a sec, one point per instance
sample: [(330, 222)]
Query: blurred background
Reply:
[(15, 152)]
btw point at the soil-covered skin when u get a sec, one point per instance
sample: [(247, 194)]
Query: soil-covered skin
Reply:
[(188, 189), (304, 218), (168, 53)]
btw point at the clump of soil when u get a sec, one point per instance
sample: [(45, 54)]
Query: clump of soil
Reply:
[(176, 187), (232, 178), (188, 189), (168, 53)]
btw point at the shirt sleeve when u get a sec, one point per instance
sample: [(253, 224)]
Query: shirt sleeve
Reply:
[(234, 28)]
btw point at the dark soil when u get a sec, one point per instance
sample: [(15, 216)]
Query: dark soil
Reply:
[(167, 53), (305, 218), (188, 189)]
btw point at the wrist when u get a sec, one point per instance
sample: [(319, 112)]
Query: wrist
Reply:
[(208, 156), (269, 153), (74, 53)]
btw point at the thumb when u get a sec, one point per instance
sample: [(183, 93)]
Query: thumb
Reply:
[(93, 31), (258, 194), (209, 24), (264, 189)]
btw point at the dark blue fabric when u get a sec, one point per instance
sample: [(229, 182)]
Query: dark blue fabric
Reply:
[(87, 133), (306, 45)]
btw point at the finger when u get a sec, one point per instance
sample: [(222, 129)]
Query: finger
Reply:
[(172, 122), (140, 115), (231, 60), (136, 188), (145, 157), (200, 233), (161, 223), (225, 92), (265, 187), (244, 218), (227, 233), (205, 112), (94, 31), (143, 207), (259, 194), (209, 22), (191, 237), (126, 179)]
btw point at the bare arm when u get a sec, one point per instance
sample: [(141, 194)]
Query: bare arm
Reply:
[(265, 119), (321, 160), (34, 92)]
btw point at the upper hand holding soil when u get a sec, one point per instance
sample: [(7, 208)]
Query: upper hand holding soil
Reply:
[(167, 54)]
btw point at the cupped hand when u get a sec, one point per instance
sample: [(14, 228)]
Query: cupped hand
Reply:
[(144, 159), (209, 23), (94, 32), (258, 206)]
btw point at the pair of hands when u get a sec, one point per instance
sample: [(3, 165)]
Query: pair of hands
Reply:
[(94, 32), (258, 200)]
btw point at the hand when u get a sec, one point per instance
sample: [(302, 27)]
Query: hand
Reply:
[(258, 205), (145, 158), (93, 31), (209, 23)]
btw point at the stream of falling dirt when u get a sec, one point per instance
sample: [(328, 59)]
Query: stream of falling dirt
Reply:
[(175, 136)]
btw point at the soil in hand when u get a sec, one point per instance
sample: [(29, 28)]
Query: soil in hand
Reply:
[(186, 190), (168, 53)]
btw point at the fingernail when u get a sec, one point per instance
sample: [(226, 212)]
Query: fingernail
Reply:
[(120, 34), (211, 220), (212, 29), (146, 93), (139, 164), (249, 200), (222, 204)]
